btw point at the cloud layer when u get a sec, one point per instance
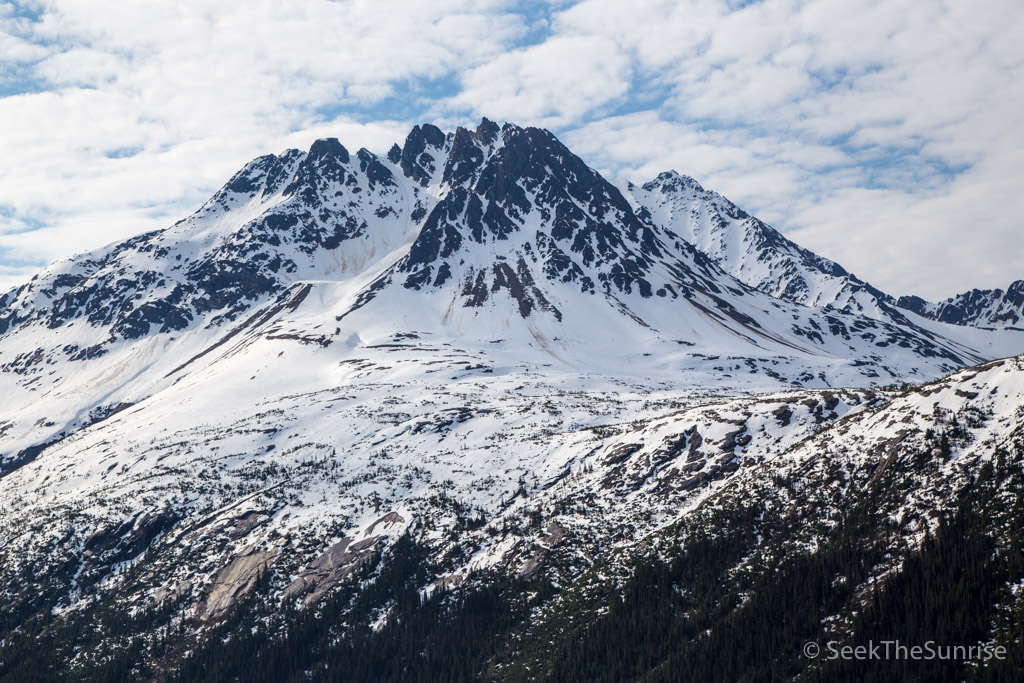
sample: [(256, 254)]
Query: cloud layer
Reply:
[(885, 135)]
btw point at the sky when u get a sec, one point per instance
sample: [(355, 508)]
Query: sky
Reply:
[(888, 136)]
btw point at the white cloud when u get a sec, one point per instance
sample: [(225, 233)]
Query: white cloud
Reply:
[(550, 84), (17, 50), (950, 239)]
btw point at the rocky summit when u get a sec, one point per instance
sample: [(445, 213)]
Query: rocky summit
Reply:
[(471, 410)]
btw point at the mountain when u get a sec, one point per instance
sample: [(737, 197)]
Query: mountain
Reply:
[(499, 241), (761, 257), (754, 252), (355, 400), (990, 308)]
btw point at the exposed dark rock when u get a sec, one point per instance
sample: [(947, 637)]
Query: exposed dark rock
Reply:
[(621, 454), (395, 153), (421, 152)]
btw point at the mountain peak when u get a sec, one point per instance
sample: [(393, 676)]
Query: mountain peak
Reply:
[(672, 180), (326, 148), (420, 153), (395, 154), (487, 131), (589, 237)]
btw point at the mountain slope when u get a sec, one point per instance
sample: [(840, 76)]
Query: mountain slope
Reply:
[(761, 479), (876, 529)]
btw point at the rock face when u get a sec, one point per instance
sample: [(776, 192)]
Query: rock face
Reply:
[(343, 558), (126, 540), (234, 581), (335, 564)]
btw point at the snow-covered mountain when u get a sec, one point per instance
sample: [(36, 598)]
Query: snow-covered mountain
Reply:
[(475, 341), (498, 241), (752, 251), (761, 257), (993, 308)]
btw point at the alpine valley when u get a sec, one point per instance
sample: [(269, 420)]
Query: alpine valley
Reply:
[(471, 411)]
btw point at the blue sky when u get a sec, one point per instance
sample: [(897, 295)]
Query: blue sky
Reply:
[(884, 135)]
